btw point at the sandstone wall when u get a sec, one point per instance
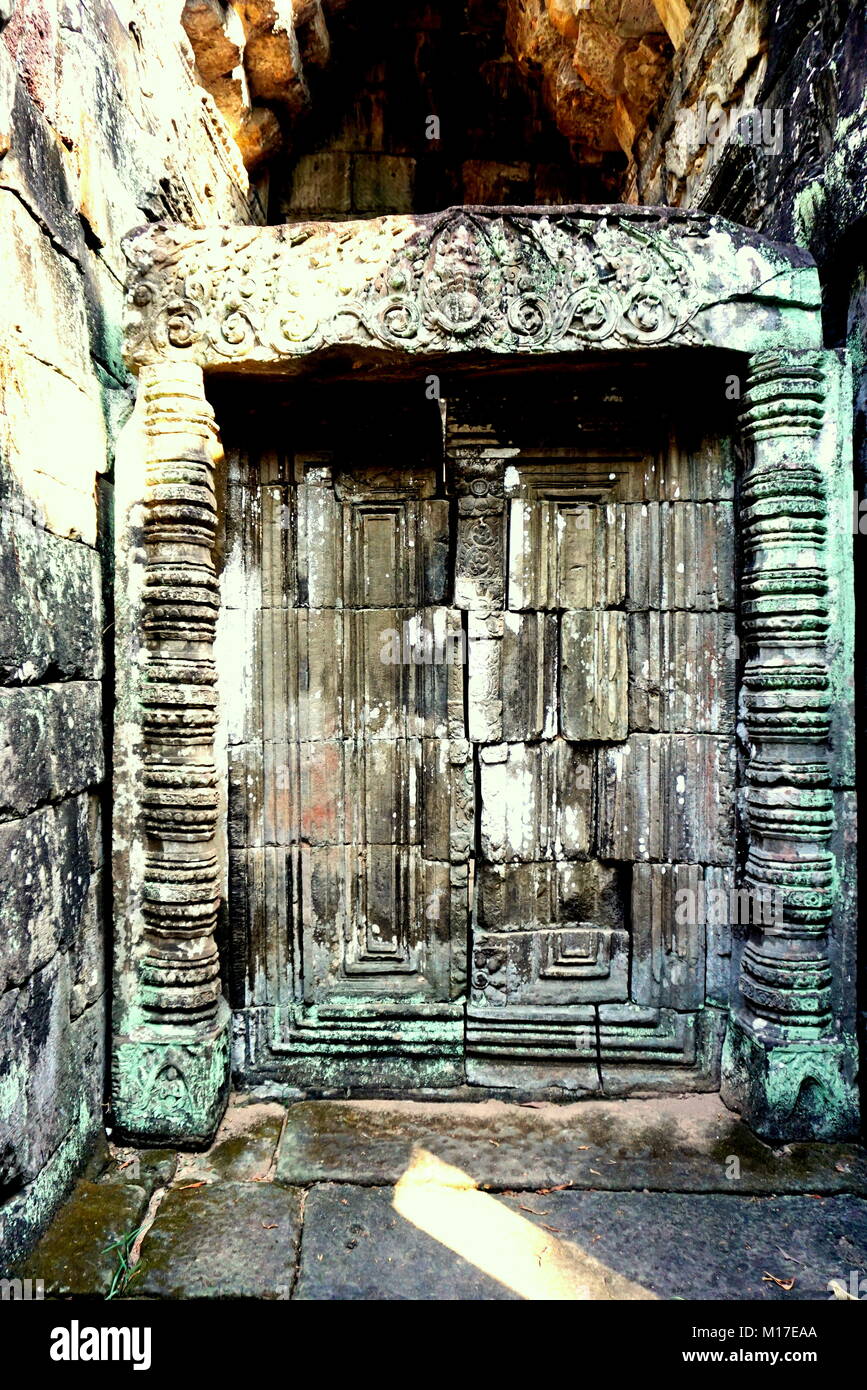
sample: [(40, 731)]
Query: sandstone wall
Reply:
[(103, 126)]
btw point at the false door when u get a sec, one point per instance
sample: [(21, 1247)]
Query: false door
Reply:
[(490, 747)]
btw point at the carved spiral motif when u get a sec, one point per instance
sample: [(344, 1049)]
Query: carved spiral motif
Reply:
[(501, 282)]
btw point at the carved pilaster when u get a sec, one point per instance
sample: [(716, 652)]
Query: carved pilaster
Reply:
[(170, 1065), (786, 1065)]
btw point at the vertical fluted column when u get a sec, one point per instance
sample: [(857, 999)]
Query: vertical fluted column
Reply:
[(170, 1065), (786, 1065)]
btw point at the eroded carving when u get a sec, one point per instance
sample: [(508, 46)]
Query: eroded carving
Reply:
[(464, 280)]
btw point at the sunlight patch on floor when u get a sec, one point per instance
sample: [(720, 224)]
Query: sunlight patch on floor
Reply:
[(444, 1203)]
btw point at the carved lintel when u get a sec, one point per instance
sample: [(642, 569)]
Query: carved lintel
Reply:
[(490, 280), (170, 1068), (785, 1041)]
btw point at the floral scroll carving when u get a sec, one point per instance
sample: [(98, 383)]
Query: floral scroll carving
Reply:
[(465, 280)]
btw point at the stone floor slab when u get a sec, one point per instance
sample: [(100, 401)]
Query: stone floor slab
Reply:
[(221, 1240), (430, 1242), (243, 1149), (683, 1144), (73, 1257)]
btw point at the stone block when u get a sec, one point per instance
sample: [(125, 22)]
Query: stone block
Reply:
[(223, 1240), (668, 934), (243, 1150), (48, 898), (87, 952), (511, 676), (593, 675), (50, 604), (321, 184), (518, 897), (50, 743), (488, 182), (56, 443), (555, 966), (680, 555), (382, 183), (682, 672), (43, 306), (74, 1257), (54, 1071), (536, 801), (565, 554), (36, 169), (668, 798)]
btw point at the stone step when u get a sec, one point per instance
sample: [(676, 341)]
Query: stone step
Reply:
[(680, 1144)]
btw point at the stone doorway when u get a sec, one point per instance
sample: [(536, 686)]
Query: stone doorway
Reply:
[(482, 770), (467, 293)]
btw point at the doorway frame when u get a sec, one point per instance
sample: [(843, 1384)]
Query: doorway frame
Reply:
[(469, 287)]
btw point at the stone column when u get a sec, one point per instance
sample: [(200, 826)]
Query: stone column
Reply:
[(170, 1066), (789, 1058)]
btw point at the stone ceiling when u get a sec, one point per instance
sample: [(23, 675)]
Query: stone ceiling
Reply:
[(601, 64)]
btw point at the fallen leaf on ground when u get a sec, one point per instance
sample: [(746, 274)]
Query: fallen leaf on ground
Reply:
[(269, 1226), (785, 1284), (185, 1186)]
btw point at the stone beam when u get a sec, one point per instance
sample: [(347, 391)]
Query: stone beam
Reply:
[(470, 281)]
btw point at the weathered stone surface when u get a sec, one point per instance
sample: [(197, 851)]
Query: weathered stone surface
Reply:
[(565, 555), (680, 555), (321, 183), (677, 264), (243, 1149), (217, 36), (149, 1169), (50, 743), (593, 674), (700, 1247), (667, 797), (536, 801), (668, 933), (42, 577), (423, 1240), (73, 1256), (382, 183), (557, 966), (48, 897), (53, 1074), (223, 1240), (44, 310), (676, 1144), (682, 670), (428, 1242), (55, 442)]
